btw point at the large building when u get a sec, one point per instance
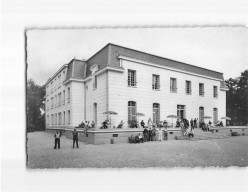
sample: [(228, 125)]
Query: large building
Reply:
[(128, 81)]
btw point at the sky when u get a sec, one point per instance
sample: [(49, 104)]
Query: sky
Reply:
[(223, 49)]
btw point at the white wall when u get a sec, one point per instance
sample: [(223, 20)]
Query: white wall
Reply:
[(98, 96), (77, 103), (144, 96)]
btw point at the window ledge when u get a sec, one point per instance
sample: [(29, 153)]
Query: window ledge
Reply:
[(132, 86), (188, 93), (156, 89), (173, 91)]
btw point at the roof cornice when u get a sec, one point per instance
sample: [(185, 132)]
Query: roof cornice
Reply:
[(49, 80), (164, 67), (72, 79)]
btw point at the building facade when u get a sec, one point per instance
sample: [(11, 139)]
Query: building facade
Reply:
[(128, 81)]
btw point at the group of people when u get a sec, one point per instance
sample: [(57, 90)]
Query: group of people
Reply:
[(57, 137), (185, 124), (193, 123), (205, 127), (106, 123), (136, 139), (87, 125), (150, 124), (151, 134)]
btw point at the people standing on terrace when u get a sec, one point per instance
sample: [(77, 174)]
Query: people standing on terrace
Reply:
[(92, 124), (120, 124), (142, 123)]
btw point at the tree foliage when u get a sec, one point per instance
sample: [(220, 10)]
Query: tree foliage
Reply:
[(35, 106), (237, 99)]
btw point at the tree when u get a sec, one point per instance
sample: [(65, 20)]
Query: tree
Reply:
[(237, 99), (35, 106)]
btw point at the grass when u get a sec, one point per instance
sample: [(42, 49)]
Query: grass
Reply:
[(232, 151)]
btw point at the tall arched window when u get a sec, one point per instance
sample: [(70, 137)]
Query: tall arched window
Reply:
[(131, 111), (201, 114), (156, 113)]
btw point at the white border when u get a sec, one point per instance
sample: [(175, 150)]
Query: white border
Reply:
[(20, 15)]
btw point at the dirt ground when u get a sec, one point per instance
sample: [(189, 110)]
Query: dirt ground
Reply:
[(224, 152)]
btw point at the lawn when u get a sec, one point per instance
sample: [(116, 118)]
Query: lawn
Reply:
[(230, 151)]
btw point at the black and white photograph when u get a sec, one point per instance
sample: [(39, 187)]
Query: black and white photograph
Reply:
[(137, 97)]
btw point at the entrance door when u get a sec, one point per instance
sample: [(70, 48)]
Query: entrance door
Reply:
[(95, 113), (181, 111), (201, 114), (131, 112), (215, 115), (156, 113)]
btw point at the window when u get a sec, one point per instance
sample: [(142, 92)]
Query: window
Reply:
[(55, 101), (47, 105), (155, 82), (181, 111), (69, 95), (63, 97), (55, 84), (69, 117), (201, 114), (51, 87), (59, 99), (188, 87), (59, 81), (94, 81), (173, 85), (131, 78), (131, 112), (47, 90), (60, 119), (64, 118), (52, 119), (63, 75), (47, 120), (52, 102), (156, 113), (55, 119), (215, 115), (201, 89), (215, 91)]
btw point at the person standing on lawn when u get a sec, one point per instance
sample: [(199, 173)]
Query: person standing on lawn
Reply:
[(149, 123), (154, 134), (75, 137), (57, 136), (146, 135)]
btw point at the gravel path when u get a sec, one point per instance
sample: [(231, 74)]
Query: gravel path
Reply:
[(230, 151)]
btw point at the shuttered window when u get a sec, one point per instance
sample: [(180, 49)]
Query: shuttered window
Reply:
[(132, 78), (173, 85)]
